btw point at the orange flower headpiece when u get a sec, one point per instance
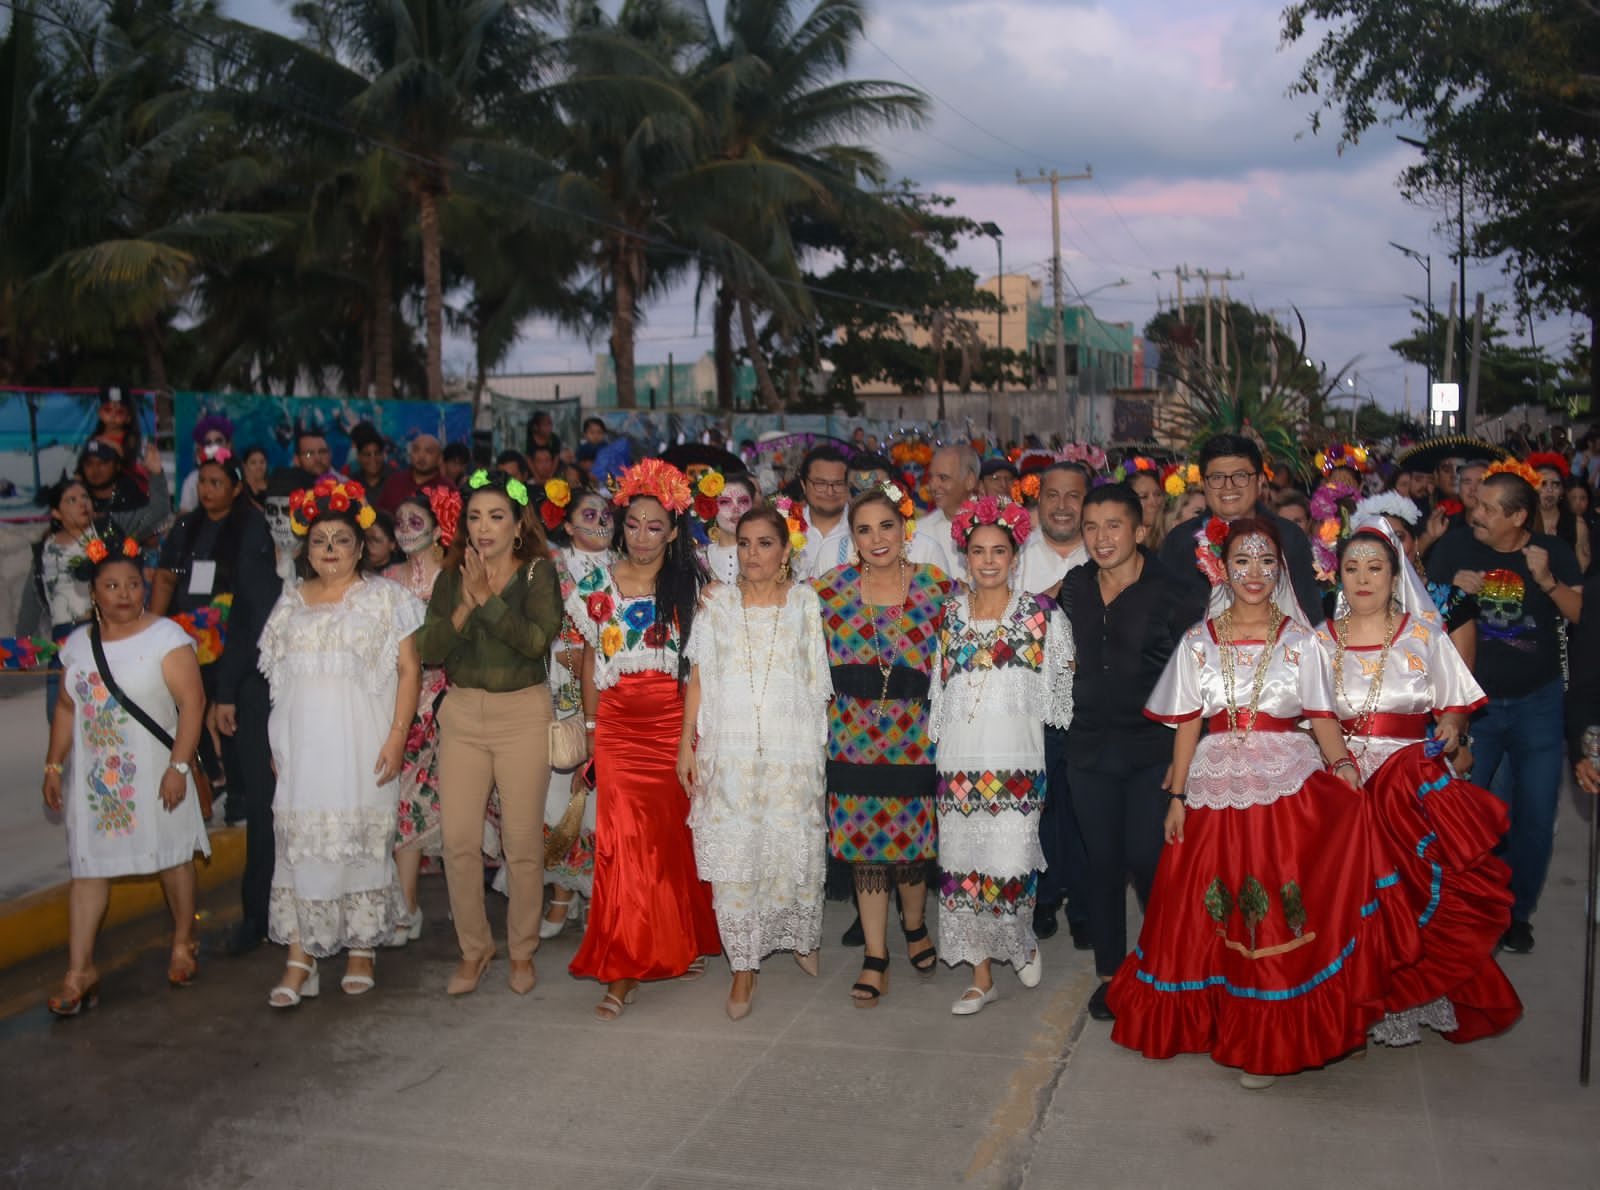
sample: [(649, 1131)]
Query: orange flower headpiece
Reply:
[(659, 480), (1514, 467), (99, 549), (329, 496)]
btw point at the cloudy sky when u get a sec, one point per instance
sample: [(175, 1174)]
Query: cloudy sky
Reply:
[(1199, 157)]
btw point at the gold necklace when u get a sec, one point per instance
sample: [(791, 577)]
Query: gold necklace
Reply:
[(1363, 718), (1225, 639), (983, 658), (885, 666), (757, 698)]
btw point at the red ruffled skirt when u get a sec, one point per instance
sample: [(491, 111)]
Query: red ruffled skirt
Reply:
[(1269, 936), (650, 915), (1441, 831)]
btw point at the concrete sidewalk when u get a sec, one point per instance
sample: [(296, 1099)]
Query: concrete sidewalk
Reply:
[(407, 1088)]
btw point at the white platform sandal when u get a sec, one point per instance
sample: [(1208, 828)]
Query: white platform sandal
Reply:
[(284, 996), (359, 985)]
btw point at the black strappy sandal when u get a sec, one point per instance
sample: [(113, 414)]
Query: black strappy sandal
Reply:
[(880, 965), (926, 962)]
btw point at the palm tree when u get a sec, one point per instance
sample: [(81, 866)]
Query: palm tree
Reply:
[(771, 88)]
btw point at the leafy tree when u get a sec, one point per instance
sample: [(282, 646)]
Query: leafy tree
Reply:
[(1506, 92), (1508, 375)]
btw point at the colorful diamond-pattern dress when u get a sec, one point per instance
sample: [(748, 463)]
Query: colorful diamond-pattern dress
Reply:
[(998, 682), (880, 759)]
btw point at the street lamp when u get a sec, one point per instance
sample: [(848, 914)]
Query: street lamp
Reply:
[(992, 230), (1461, 253), (1427, 267)]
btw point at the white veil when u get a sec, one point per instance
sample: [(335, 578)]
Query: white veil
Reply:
[(1411, 592)]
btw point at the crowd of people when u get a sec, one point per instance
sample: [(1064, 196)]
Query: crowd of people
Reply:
[(679, 702)]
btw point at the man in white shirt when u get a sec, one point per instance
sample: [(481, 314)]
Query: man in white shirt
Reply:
[(822, 479), (952, 481), (1058, 546)]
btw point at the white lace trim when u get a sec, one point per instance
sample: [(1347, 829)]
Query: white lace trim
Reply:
[(780, 846), (358, 637), (1005, 846), (971, 938), (335, 836), (1233, 773), (1012, 691), (747, 938), (1405, 1028), (354, 921)]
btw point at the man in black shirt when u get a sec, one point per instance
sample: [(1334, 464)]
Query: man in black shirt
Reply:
[(1230, 467), (1127, 616), (1526, 583)]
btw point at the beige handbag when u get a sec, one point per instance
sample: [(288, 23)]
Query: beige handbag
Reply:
[(569, 743)]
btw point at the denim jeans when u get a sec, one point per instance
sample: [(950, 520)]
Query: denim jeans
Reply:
[(1526, 733)]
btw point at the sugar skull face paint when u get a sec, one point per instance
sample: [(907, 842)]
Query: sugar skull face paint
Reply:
[(414, 530), (732, 503), (1253, 559)]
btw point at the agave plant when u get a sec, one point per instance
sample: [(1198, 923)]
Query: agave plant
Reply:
[(1268, 392)]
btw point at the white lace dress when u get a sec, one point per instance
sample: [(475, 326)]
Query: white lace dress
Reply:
[(996, 684), (757, 811), (333, 672)]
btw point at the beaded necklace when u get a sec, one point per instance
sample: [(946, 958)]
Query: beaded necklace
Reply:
[(885, 664), (1370, 705), (758, 697), (1225, 639)]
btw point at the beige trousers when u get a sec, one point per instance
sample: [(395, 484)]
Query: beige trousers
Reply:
[(487, 741)]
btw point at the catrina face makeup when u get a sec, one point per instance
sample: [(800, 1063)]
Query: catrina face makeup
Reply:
[(1253, 568), (732, 503)]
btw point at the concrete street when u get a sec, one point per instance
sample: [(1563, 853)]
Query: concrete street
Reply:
[(406, 1088)]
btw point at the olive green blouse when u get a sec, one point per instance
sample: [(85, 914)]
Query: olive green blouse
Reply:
[(506, 642)]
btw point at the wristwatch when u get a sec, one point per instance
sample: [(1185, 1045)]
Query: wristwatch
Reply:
[(180, 767)]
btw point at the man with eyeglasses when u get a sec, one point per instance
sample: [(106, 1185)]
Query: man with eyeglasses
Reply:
[(313, 457), (1230, 468), (824, 482)]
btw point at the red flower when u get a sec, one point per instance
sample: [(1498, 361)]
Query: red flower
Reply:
[(323, 487), (356, 490), (705, 507), (655, 636), (600, 606), (1450, 507), (339, 502), (1216, 530), (552, 515)]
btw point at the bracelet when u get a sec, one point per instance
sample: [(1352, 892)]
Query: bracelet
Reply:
[(588, 725), (1179, 798), (1341, 762), (54, 768)]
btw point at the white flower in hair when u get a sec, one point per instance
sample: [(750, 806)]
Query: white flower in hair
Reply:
[(1386, 504)]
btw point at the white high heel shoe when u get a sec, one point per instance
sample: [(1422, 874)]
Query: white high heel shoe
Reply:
[(284, 996), (549, 929)]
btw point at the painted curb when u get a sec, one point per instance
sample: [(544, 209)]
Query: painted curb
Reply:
[(36, 924)]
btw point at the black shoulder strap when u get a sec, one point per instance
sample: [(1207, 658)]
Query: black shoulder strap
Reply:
[(123, 700)]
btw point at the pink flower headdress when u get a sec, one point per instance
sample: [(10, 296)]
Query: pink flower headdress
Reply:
[(990, 510)]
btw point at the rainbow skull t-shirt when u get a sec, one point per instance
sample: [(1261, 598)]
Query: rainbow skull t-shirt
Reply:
[(1501, 613)]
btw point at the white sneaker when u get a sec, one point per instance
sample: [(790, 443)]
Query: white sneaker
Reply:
[(1256, 1082), (1031, 972), (970, 1005)]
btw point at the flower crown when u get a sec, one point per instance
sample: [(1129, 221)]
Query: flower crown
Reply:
[(1514, 467), (97, 551), (659, 480), (1131, 466), (706, 492), (1086, 453), (1343, 454), (990, 510), (215, 454), (1026, 488), (792, 516), (902, 504), (445, 502), (1178, 478), (1388, 504), (555, 496), (329, 496), (1552, 459), (515, 490)]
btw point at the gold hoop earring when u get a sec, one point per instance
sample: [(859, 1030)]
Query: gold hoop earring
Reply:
[(516, 542)]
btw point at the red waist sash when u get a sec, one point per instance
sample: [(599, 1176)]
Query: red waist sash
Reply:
[(1249, 722), (1395, 726)]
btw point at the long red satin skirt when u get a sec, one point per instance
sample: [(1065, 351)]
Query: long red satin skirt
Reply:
[(1441, 831), (1268, 939), (650, 915)]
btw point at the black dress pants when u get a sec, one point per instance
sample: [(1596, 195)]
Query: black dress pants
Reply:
[(1065, 880), (254, 763), (1121, 809)]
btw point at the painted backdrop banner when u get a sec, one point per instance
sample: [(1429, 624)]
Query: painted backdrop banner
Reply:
[(41, 435), (272, 422)]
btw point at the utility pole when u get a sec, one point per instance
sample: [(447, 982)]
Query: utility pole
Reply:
[(1208, 276), (1469, 409), (1055, 178), (1450, 340)]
